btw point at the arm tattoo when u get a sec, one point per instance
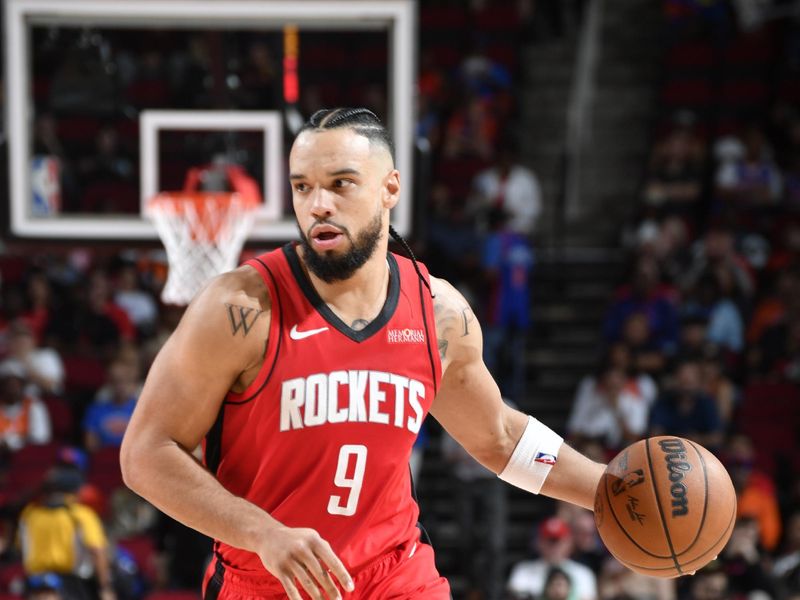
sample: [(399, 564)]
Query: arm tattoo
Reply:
[(449, 321), (359, 324), (242, 317), (468, 317)]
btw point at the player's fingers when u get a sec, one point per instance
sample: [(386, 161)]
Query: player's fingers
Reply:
[(323, 577), (328, 559), (287, 581), (301, 574)]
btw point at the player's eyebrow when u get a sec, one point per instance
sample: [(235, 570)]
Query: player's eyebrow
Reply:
[(345, 171)]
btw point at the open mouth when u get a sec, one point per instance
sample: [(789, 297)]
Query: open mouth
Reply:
[(327, 235)]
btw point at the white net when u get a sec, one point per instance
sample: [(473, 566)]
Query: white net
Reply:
[(203, 234)]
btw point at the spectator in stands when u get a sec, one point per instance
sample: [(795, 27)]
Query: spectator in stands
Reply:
[(471, 131), (91, 324), (773, 306), (787, 562), (710, 583), (44, 367), (620, 355), (776, 357), (554, 543), (191, 76), (756, 496), (105, 422), (101, 303), (667, 241), (791, 186), (718, 385), (557, 585), (609, 408), (709, 298), (588, 550), (647, 355), (743, 561), (694, 327), (510, 187), (674, 181), (23, 418), (39, 303), (44, 587), (507, 264), (149, 88), (645, 295), (686, 410), (109, 161), (61, 536), (138, 304), (260, 87), (83, 82), (617, 582), (753, 181), (717, 253), (482, 510)]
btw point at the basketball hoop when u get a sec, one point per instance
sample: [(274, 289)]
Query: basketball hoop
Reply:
[(203, 233)]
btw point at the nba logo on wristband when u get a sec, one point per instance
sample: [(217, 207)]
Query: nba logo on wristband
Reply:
[(544, 457)]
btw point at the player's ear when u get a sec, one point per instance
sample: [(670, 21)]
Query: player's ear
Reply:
[(391, 189)]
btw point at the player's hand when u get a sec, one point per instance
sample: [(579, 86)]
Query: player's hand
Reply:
[(300, 555)]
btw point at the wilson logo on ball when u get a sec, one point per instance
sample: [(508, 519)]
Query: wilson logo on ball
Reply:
[(677, 465)]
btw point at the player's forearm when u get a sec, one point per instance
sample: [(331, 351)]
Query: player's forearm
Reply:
[(172, 480), (573, 478)]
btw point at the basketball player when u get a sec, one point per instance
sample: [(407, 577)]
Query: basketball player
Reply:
[(308, 372)]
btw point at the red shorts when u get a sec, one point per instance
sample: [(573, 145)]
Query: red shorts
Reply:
[(405, 573)]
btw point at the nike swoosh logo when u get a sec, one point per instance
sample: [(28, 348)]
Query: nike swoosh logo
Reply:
[(301, 335)]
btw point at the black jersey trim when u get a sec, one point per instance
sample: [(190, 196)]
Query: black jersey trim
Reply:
[(214, 586), (389, 307), (213, 453), (277, 301), (428, 338)]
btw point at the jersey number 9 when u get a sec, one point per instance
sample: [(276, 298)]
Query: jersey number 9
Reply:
[(354, 483)]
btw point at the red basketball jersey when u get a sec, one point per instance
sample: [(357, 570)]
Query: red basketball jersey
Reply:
[(323, 436)]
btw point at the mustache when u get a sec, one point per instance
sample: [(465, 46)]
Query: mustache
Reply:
[(341, 228)]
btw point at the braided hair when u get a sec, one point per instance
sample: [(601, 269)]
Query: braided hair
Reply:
[(367, 124), (361, 120)]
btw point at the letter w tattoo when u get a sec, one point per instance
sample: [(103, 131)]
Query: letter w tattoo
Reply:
[(242, 317)]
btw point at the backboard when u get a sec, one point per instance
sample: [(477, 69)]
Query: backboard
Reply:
[(185, 80)]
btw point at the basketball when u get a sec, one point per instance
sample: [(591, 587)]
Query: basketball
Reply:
[(665, 506)]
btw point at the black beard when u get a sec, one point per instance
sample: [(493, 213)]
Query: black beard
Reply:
[(332, 268)]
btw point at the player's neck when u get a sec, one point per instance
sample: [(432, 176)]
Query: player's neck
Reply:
[(361, 296)]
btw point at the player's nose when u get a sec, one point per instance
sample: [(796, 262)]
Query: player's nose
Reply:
[(322, 204)]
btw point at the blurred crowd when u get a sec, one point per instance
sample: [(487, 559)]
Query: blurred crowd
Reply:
[(702, 339)]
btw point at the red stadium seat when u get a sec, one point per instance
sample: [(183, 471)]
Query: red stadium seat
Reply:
[(744, 92), (687, 92), (690, 56), (143, 550), (61, 418), (104, 470), (769, 416), (453, 18), (12, 579)]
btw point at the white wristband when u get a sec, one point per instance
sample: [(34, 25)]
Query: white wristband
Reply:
[(534, 456)]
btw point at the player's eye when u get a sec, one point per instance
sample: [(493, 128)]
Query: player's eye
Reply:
[(300, 187), (342, 183)]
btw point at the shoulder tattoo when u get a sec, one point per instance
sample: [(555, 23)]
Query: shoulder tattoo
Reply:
[(242, 317), (452, 318)]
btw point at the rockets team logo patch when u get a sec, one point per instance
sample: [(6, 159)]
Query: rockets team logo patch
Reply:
[(544, 457), (405, 336)]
